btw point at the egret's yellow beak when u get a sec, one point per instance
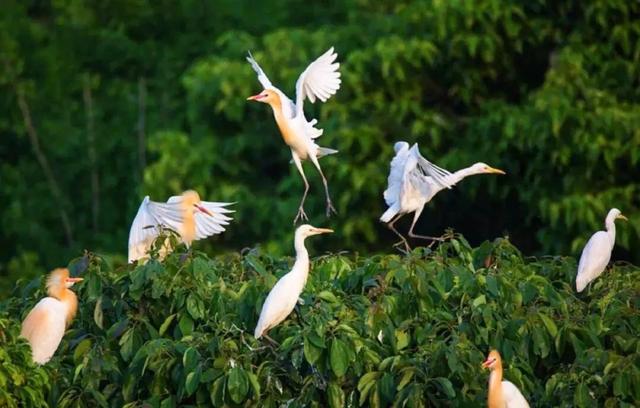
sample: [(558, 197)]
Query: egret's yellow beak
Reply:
[(492, 170), (622, 217), (322, 230)]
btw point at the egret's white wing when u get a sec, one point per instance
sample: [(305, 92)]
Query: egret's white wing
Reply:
[(279, 304), (145, 227), (44, 327), (320, 80), (396, 174), (207, 225), (439, 175), (594, 259), (262, 77), (512, 396)]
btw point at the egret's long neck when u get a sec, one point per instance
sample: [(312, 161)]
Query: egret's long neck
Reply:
[(496, 399), (455, 177), (188, 230), (69, 299), (301, 265), (610, 223)]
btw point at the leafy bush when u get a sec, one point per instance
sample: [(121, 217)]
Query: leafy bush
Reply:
[(380, 331)]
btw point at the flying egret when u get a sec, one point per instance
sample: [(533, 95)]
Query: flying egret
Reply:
[(186, 214), (597, 252), (414, 181), (502, 394), (45, 324), (320, 80), (283, 296)]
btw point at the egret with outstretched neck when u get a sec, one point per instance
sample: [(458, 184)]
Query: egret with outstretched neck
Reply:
[(414, 181), (283, 296), (320, 80), (45, 324), (597, 253), (502, 394), (185, 214)]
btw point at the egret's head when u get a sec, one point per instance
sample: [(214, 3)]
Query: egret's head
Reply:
[(616, 214), (267, 96), (400, 146), (191, 199), (493, 360), (58, 279), (307, 230), (483, 168)]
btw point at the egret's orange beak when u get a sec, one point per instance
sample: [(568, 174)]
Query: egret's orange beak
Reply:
[(488, 362), (74, 280), (255, 97), (204, 210), (493, 170)]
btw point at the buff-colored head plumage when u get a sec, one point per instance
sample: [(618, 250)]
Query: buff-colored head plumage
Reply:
[(190, 201)]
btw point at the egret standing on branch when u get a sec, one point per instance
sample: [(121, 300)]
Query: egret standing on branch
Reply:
[(45, 324), (320, 80), (414, 181), (186, 214), (597, 252), (283, 296), (502, 394)]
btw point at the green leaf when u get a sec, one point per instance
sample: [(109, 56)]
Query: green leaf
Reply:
[(237, 384), (186, 325), (190, 359), (402, 339), (339, 357), (446, 386), (328, 296), (549, 324), (81, 350), (97, 313), (581, 396), (192, 381), (480, 300), (311, 352), (336, 396), (195, 306), (165, 324), (253, 379)]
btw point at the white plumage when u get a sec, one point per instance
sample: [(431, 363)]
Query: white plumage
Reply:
[(597, 253), (185, 214), (413, 181), (320, 80), (45, 324), (513, 398), (283, 296)]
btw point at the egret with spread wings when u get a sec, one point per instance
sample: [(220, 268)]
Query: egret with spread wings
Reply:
[(597, 253), (185, 214), (414, 181), (320, 80)]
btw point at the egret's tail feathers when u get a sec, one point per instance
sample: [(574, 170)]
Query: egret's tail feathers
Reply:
[(389, 214), (325, 151), (581, 283), (258, 332)]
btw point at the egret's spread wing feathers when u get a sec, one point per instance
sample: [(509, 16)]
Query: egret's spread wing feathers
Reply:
[(320, 80), (262, 77), (439, 175), (396, 175), (207, 225), (594, 259), (145, 227), (512, 396)]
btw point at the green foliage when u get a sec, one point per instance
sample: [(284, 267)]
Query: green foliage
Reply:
[(379, 331), (547, 90)]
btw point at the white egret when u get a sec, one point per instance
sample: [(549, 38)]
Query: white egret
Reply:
[(320, 80), (186, 214), (283, 296), (596, 254), (414, 181), (45, 324), (502, 394)]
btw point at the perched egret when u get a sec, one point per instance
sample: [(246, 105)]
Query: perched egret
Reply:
[(414, 180), (45, 324), (186, 214), (320, 80), (283, 296), (597, 252), (502, 394)]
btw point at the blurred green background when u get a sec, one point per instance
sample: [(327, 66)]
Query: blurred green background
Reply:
[(104, 102)]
